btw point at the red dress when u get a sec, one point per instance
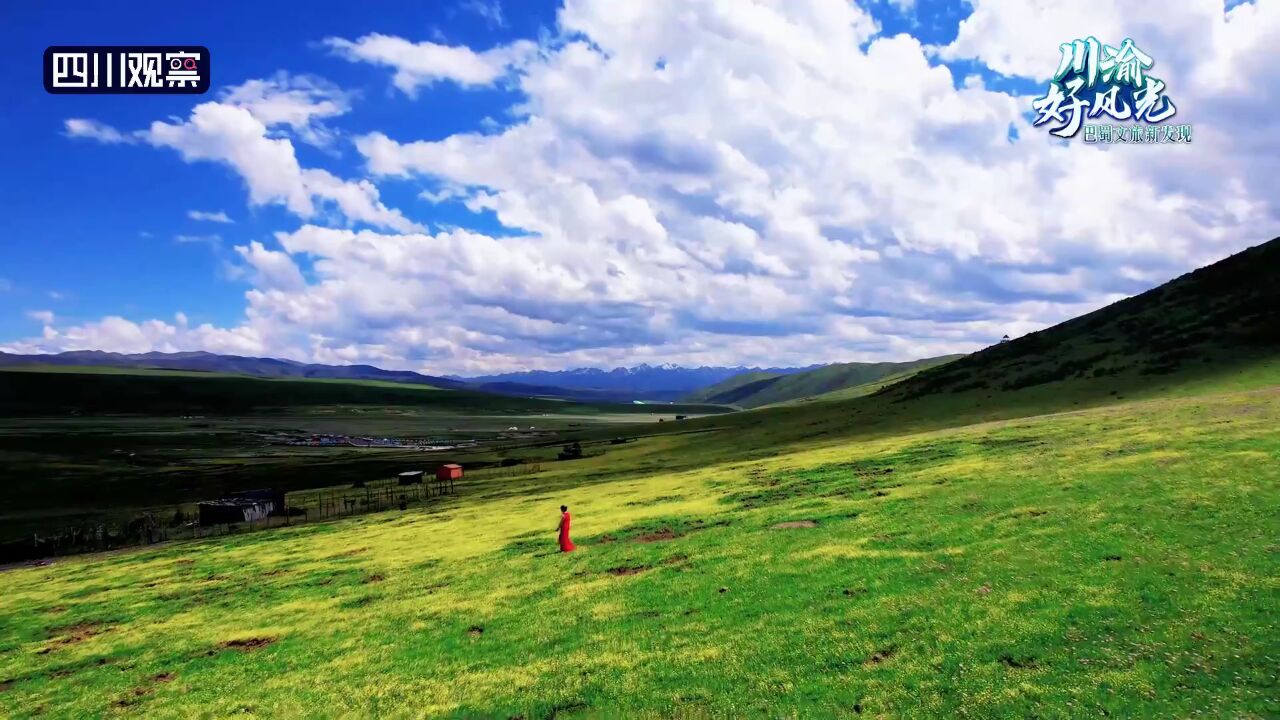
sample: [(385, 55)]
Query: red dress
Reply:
[(566, 545)]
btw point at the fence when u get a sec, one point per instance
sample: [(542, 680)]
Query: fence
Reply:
[(175, 523)]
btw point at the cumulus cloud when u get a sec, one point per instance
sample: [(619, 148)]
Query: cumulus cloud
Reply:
[(1218, 68), (94, 130), (299, 102), (424, 63), (753, 182), (273, 269), (216, 217), (234, 136), (117, 334)]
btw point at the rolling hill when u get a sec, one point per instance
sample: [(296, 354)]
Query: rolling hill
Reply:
[(229, 364), (1078, 523), (1223, 314), (756, 389)]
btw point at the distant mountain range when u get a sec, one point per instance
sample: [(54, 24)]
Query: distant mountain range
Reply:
[(643, 382), (232, 364)]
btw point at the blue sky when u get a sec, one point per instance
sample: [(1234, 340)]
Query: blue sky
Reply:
[(548, 186), (96, 223)]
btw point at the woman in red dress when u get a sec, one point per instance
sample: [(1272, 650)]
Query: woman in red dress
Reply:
[(566, 545)]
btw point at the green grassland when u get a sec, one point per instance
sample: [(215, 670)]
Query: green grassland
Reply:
[(1078, 523), (856, 391), (82, 445), (757, 389), (1119, 559)]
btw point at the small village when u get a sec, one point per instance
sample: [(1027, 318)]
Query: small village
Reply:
[(426, 444), (364, 441)]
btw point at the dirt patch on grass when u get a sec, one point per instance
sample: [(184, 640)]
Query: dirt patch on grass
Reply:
[(675, 559), (657, 530), (133, 697), (77, 633), (794, 524), (475, 631), (247, 644), (1019, 663), (880, 656), (359, 602), (163, 677), (655, 501), (627, 570), (5, 685), (567, 709), (659, 536), (353, 551), (374, 578)]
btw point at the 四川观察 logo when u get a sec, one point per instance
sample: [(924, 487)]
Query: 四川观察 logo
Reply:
[(1096, 83), (126, 69)]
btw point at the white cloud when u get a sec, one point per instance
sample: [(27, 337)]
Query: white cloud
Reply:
[(273, 269), (424, 63), (269, 166), (214, 241), (299, 102), (1219, 69), (44, 317), (94, 130), (488, 10), (216, 217), (719, 183), (241, 131), (233, 136)]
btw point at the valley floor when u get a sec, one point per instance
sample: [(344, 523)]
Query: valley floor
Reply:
[(1121, 561)]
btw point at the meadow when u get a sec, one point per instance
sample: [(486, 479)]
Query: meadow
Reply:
[(1114, 559), (1078, 523), (88, 445)]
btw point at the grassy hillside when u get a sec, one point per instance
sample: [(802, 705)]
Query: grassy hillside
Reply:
[(1226, 313), (1079, 523), (736, 388), (750, 390), (1105, 562), (856, 391)]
